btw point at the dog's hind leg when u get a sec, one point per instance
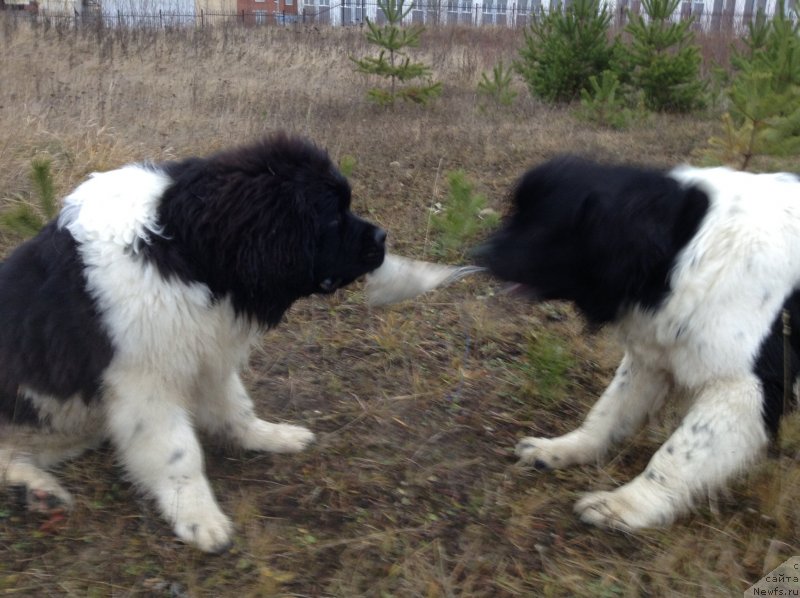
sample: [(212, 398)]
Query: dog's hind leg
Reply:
[(153, 432), (39, 489), (635, 392), (67, 429), (227, 410), (26, 468), (720, 436)]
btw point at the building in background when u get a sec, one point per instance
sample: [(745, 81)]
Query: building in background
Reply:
[(269, 12)]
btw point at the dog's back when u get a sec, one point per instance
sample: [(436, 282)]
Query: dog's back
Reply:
[(51, 340)]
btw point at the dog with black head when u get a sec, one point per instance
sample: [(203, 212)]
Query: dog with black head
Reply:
[(130, 317), (693, 268)]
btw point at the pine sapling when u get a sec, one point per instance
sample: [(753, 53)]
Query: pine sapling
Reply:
[(603, 103), (497, 89), (764, 96), (664, 58), (27, 215), (564, 48), (461, 218), (392, 62)]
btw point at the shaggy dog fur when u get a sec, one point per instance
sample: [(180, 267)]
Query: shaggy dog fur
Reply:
[(692, 268), (131, 316)]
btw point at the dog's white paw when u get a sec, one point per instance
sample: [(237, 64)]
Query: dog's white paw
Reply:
[(628, 508), (538, 452), (210, 530), (277, 438), (554, 453)]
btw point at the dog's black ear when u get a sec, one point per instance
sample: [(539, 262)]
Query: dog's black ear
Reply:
[(618, 256), (691, 207), (631, 240), (274, 256)]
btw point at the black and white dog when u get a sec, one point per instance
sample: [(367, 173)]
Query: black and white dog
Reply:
[(131, 316), (692, 268)]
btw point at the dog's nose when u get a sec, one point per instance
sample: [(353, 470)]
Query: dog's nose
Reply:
[(380, 237)]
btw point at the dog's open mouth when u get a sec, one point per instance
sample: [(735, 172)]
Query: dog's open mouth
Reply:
[(519, 289), (329, 285), (374, 258)]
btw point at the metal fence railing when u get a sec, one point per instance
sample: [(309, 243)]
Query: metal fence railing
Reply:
[(499, 13), (519, 13)]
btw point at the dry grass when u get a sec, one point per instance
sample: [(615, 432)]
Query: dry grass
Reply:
[(412, 489)]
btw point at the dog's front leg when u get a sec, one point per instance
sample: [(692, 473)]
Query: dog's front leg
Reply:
[(156, 441), (227, 410), (635, 391), (719, 437)]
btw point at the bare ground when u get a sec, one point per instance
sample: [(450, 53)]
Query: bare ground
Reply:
[(412, 489)]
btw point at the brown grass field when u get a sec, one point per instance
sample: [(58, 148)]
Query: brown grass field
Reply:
[(412, 488)]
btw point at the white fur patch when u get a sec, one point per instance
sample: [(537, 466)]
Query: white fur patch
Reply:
[(73, 417), (401, 278), (119, 206)]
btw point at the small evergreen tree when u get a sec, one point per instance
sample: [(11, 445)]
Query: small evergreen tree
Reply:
[(665, 62), (461, 218), (27, 216), (564, 48), (764, 96), (393, 63), (603, 103), (497, 89)]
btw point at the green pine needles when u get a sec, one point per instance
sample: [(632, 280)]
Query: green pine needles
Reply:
[(27, 215), (461, 218), (347, 164), (548, 363), (497, 88), (764, 96), (664, 60), (568, 52), (408, 81), (604, 104), (564, 48)]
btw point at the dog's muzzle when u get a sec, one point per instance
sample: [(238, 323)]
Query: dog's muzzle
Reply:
[(377, 249)]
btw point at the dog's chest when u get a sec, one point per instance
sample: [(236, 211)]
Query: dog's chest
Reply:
[(663, 342), (638, 334)]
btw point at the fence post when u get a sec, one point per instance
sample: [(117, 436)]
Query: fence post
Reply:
[(202, 19)]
